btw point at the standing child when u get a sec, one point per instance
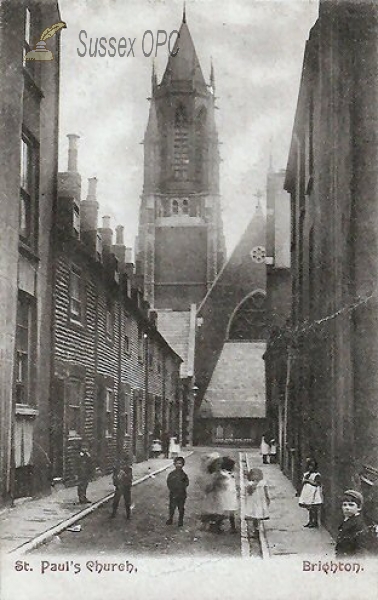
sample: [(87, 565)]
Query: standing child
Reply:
[(354, 537), (273, 451), (177, 482), (228, 495), (211, 482), (122, 480), (265, 449), (84, 473), (257, 499), (311, 496)]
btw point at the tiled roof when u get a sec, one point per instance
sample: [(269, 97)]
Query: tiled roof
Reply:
[(237, 386), (174, 326)]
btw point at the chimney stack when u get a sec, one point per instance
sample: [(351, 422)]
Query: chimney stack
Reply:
[(69, 182), (129, 255), (73, 139), (89, 207), (106, 233), (119, 248), (119, 235), (92, 189)]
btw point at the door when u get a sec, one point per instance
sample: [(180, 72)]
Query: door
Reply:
[(57, 429)]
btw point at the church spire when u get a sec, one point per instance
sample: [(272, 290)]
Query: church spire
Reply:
[(258, 196), (183, 63), (212, 76), (184, 13), (153, 78)]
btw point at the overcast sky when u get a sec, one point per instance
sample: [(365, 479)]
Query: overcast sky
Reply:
[(257, 50)]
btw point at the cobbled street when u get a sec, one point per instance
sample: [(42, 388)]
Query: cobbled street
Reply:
[(146, 532)]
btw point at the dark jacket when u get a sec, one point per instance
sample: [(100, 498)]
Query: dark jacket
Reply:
[(353, 538), (177, 482), (123, 477), (85, 467)]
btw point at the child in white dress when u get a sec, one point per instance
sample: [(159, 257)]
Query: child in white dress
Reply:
[(257, 499), (311, 495), (228, 493)]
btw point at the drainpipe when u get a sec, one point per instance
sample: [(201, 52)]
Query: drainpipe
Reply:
[(146, 428)]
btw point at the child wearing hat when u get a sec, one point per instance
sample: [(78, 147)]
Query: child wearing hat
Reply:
[(177, 482), (353, 535)]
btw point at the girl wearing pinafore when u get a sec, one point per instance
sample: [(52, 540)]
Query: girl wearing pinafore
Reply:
[(257, 498), (311, 496)]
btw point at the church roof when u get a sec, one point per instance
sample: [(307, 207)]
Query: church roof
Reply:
[(237, 386), (177, 327), (183, 66)]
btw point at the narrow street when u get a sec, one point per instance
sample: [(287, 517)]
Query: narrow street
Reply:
[(146, 532)]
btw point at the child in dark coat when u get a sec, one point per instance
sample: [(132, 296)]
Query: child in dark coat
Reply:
[(353, 538), (122, 480), (177, 482), (85, 471)]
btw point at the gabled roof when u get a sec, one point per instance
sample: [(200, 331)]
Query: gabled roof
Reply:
[(237, 386), (177, 329), (183, 66)]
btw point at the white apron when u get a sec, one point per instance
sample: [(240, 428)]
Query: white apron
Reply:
[(310, 494)]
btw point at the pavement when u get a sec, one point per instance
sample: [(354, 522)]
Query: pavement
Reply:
[(32, 522), (283, 534)]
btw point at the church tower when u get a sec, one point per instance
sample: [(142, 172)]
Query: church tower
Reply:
[(180, 245)]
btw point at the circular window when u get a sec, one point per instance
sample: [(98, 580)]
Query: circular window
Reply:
[(258, 254)]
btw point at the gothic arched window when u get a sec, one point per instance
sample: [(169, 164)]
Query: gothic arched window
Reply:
[(174, 207), (200, 145), (249, 321), (185, 206), (181, 144)]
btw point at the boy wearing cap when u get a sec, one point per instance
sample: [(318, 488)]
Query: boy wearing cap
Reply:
[(352, 539), (177, 482)]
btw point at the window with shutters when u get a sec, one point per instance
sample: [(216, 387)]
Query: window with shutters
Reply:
[(74, 392), (109, 412), (76, 291)]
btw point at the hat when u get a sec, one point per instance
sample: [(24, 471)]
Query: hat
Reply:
[(354, 496)]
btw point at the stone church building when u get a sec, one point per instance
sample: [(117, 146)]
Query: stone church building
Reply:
[(210, 310)]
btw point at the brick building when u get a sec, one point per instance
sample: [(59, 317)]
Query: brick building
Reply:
[(330, 400), (28, 154), (116, 380)]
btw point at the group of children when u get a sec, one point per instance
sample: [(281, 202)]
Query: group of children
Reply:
[(220, 499), (354, 537)]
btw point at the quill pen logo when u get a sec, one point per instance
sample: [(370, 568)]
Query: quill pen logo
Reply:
[(41, 52)]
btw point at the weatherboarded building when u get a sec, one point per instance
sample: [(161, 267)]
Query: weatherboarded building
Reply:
[(115, 379)]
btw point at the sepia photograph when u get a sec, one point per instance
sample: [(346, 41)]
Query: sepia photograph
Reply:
[(188, 299)]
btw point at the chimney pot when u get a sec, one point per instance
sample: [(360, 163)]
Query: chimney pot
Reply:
[(73, 139), (92, 188), (119, 235), (106, 222)]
